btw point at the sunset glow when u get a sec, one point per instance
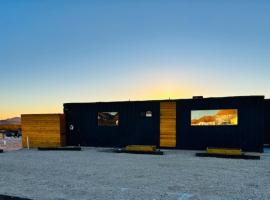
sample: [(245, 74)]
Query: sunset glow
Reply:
[(94, 51)]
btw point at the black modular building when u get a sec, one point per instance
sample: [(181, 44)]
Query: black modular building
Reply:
[(198, 123), (267, 123)]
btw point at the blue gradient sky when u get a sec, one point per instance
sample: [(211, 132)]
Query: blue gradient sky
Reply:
[(53, 52)]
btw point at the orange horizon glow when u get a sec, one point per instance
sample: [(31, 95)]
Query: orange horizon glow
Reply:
[(152, 55), (16, 112), (157, 93)]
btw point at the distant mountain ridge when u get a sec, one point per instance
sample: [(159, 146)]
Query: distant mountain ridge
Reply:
[(14, 120)]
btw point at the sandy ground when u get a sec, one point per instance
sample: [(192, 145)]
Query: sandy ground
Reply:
[(96, 173)]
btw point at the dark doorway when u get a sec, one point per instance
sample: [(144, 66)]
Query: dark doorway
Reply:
[(73, 129), (144, 124)]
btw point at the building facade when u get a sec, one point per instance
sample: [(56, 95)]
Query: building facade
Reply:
[(236, 122)]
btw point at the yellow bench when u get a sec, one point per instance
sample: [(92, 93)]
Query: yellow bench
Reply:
[(224, 151), (141, 148)]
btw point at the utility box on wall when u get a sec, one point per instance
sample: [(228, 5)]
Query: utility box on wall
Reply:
[(43, 130)]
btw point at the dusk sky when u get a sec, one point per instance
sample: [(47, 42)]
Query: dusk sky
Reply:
[(55, 52)]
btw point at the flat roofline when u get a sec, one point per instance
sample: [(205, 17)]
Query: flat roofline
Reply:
[(162, 100), (42, 114)]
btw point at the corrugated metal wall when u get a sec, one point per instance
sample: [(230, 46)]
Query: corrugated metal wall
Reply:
[(248, 134), (134, 127), (267, 122)]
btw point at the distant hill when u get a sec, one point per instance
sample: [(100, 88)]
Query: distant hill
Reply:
[(11, 124), (11, 121)]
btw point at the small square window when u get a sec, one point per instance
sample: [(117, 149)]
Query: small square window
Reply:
[(148, 113)]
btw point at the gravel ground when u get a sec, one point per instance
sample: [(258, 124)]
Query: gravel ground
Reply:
[(96, 173), (11, 143)]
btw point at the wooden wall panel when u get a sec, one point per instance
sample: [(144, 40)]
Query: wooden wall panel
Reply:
[(43, 130), (167, 124)]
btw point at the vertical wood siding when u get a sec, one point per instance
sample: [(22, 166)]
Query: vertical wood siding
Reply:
[(168, 124)]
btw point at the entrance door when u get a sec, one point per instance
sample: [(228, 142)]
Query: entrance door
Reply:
[(143, 127), (167, 124), (145, 131), (72, 130)]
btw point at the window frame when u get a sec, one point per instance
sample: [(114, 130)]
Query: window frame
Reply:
[(99, 124), (214, 125)]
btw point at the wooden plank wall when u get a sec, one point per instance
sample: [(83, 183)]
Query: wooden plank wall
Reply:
[(10, 127), (43, 130), (167, 124)]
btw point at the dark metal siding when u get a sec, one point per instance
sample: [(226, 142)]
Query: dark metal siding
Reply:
[(267, 122), (133, 127), (248, 134)]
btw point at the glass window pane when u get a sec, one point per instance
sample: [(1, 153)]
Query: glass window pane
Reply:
[(222, 117), (108, 119)]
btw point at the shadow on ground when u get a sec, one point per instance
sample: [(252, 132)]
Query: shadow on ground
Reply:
[(5, 197)]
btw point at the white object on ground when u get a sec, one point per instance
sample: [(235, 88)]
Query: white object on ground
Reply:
[(27, 141)]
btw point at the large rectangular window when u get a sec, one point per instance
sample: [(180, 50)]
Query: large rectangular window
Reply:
[(108, 119), (222, 117)]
